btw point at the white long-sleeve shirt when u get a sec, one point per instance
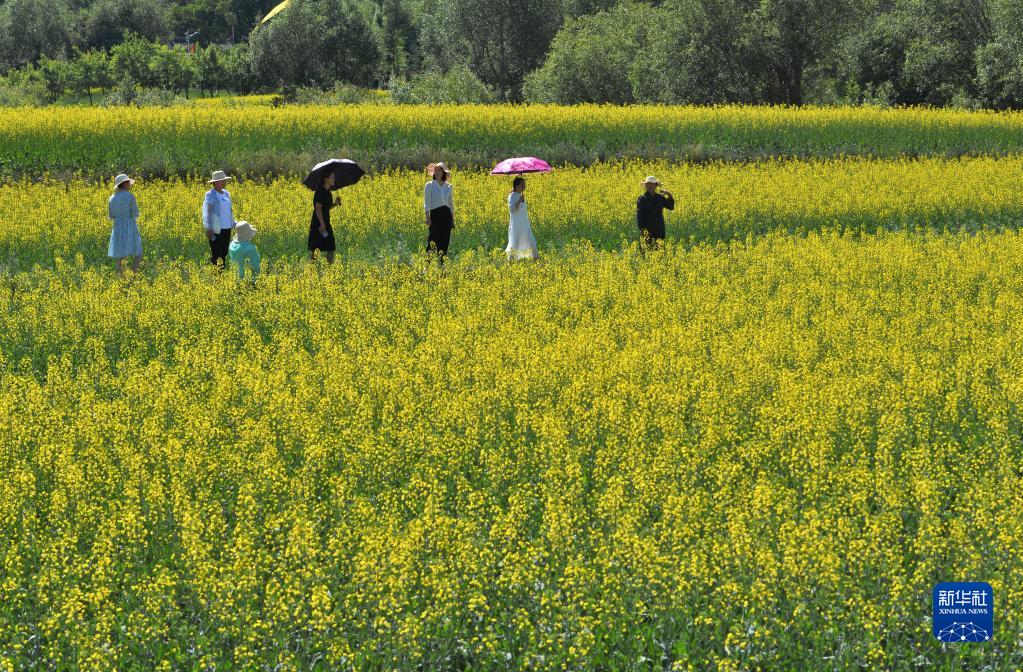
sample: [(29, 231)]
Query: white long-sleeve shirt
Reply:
[(437, 195), (217, 214)]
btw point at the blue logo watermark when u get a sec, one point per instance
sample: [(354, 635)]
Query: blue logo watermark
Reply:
[(963, 612)]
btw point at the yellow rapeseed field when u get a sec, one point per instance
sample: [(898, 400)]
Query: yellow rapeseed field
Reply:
[(381, 217), (757, 449), (254, 140), (759, 455)]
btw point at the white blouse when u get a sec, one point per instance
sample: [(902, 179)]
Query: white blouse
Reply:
[(437, 195), (217, 214)]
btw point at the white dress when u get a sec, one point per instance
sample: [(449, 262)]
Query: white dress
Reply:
[(521, 243)]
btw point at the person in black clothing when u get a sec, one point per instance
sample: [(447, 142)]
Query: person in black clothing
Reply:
[(650, 209), (321, 233)]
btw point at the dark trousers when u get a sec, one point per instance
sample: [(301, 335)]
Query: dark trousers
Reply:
[(441, 223), (652, 237), (218, 248)]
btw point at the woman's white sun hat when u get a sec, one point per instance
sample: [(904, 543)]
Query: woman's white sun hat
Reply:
[(244, 232), (433, 167), (121, 179), (650, 179), (219, 176)]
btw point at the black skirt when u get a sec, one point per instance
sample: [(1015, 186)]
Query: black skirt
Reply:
[(317, 241), (442, 220)]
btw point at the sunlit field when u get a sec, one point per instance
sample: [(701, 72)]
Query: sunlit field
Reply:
[(756, 449), (382, 217), (261, 140)]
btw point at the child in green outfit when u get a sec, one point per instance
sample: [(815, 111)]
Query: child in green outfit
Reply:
[(242, 248)]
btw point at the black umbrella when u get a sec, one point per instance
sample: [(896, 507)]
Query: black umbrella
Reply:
[(346, 173)]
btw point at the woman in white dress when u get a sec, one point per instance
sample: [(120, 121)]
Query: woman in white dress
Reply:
[(521, 243)]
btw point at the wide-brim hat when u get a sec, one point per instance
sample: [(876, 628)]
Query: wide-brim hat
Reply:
[(219, 176), (121, 179), (650, 179), (432, 168), (244, 232)]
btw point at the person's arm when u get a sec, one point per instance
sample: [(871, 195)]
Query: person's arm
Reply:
[(426, 202), (110, 208), (319, 215), (134, 207), (669, 201), (517, 200), (208, 213), (640, 214)]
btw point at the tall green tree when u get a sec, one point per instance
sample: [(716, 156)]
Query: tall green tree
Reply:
[(500, 41), (1000, 61), (130, 61), (398, 35), (30, 29), (795, 36), (707, 54), (315, 43), (106, 23), (597, 58), (87, 71), (173, 69)]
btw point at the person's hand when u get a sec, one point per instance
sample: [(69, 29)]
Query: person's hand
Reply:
[(337, 200), (323, 230), (210, 234)]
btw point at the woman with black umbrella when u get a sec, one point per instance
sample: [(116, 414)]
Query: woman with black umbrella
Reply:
[(321, 233), (324, 178)]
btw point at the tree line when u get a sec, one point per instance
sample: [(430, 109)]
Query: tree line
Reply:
[(898, 52)]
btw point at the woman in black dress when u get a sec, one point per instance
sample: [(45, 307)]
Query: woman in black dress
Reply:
[(321, 233)]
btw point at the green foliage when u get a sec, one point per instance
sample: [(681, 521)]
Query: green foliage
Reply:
[(132, 60), (173, 69), (209, 74), (106, 23), (31, 29), (398, 36), (824, 52), (500, 41), (316, 44), (21, 89), (55, 75), (596, 58), (237, 68), (458, 85)]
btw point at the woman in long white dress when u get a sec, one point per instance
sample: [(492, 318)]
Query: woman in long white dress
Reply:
[(521, 242)]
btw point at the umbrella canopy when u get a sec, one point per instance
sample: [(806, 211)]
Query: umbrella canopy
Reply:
[(275, 11), (346, 173), (522, 164)]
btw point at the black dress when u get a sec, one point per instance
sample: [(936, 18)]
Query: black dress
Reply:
[(317, 241)]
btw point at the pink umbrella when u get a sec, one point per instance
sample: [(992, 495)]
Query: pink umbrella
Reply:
[(522, 164)]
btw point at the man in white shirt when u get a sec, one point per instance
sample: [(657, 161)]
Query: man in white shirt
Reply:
[(218, 218)]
